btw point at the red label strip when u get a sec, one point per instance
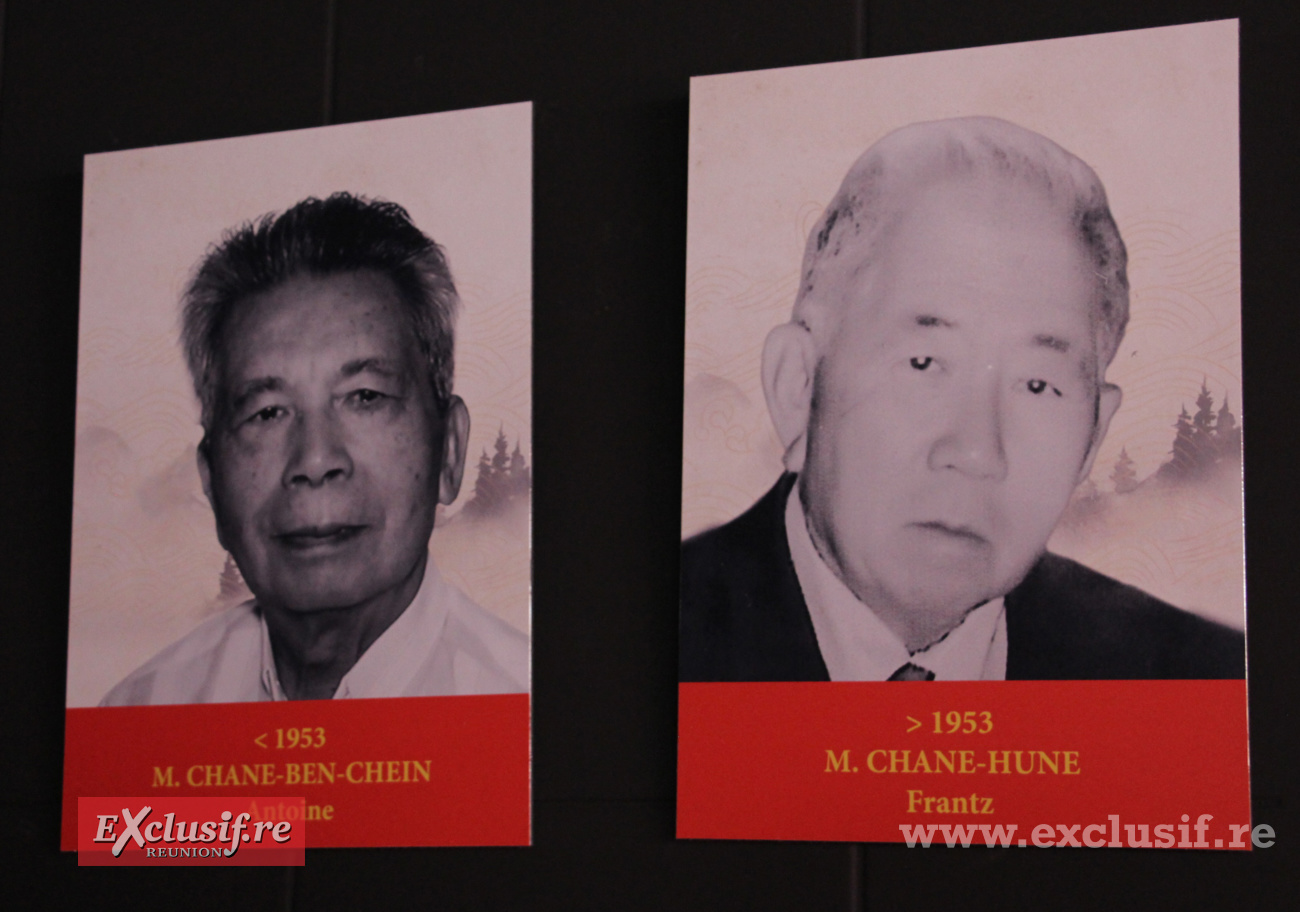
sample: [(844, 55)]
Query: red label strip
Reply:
[(415, 771), (854, 761)]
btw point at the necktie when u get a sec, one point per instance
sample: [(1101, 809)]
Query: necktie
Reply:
[(910, 672)]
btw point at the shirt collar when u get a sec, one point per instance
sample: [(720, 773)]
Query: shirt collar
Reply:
[(393, 660), (857, 645)]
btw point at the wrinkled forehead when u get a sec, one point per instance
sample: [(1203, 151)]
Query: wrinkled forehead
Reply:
[(308, 314), (984, 205)]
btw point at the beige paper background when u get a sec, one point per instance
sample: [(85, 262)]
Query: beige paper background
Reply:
[(145, 560), (1153, 111)]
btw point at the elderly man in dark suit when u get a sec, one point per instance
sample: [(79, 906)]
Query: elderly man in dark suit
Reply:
[(939, 392)]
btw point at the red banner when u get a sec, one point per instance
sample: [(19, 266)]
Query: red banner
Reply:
[(415, 771), (1064, 762)]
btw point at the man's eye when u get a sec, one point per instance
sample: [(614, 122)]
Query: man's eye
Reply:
[(270, 413), (922, 363), (1038, 387), (367, 396)]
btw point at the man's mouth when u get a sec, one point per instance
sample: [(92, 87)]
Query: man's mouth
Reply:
[(955, 531), (310, 538)]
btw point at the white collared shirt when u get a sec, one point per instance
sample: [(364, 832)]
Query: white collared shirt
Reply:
[(443, 644), (856, 645)]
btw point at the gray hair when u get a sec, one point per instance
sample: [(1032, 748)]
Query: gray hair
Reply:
[(883, 179), (343, 233)]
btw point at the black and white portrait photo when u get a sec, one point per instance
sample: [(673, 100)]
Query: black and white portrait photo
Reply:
[(304, 416), (962, 367)]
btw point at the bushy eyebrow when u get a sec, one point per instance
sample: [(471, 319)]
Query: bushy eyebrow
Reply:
[(929, 320), (385, 367), (1055, 343), (1041, 340), (255, 388)]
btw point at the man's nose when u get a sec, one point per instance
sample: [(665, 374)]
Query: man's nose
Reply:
[(318, 452), (972, 440)]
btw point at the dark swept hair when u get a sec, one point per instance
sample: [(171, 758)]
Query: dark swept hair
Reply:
[(339, 234)]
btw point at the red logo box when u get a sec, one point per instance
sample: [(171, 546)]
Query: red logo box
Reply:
[(191, 831)]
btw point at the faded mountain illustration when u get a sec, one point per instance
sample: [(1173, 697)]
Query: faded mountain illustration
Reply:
[(490, 533), (1175, 531)]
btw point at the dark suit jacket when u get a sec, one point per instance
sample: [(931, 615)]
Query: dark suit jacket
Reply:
[(744, 617)]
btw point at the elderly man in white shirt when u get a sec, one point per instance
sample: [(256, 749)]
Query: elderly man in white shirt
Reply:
[(320, 342)]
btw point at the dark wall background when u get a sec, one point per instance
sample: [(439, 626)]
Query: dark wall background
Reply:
[(610, 83)]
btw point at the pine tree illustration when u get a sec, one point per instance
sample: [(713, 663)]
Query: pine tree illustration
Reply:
[(484, 488), (1227, 434), (520, 477), (1205, 446), (1182, 461), (1123, 476), (501, 479), (500, 459)]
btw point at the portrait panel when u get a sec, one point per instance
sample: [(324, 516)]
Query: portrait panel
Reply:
[(304, 446), (962, 404)]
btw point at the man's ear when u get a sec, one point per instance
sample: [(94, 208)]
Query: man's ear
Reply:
[(789, 366), (205, 469), (1108, 401), (455, 442), (202, 456)]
